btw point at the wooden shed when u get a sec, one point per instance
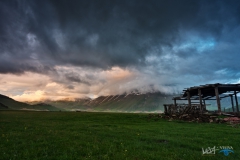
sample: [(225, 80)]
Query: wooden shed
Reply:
[(201, 94)]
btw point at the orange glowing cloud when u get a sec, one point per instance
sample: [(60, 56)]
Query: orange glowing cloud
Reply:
[(69, 82)]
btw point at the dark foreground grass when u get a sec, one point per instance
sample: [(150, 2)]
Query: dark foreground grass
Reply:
[(79, 135)]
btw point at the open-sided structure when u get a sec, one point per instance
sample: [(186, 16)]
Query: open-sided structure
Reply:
[(201, 94)]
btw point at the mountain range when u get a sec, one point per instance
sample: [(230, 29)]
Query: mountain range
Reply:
[(133, 102)]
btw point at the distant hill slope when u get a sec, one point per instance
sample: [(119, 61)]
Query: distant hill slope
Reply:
[(9, 103), (134, 102), (131, 102), (2, 106)]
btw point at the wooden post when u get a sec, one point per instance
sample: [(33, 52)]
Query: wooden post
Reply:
[(165, 109), (189, 100), (204, 104), (235, 93), (175, 102), (218, 99), (232, 103), (200, 99), (175, 105)]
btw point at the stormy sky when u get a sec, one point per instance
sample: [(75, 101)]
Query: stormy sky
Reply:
[(55, 49)]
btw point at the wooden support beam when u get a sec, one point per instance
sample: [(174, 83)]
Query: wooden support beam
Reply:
[(189, 100), (165, 109), (175, 102), (208, 97), (225, 96), (231, 96), (200, 99), (235, 93), (218, 99), (204, 104), (195, 103)]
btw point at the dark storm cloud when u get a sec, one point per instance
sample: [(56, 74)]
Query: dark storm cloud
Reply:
[(74, 77), (37, 35)]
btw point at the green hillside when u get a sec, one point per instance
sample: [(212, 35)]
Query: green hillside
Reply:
[(7, 103), (79, 104), (131, 102), (2, 106)]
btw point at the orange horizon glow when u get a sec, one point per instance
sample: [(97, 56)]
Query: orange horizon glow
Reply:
[(29, 87)]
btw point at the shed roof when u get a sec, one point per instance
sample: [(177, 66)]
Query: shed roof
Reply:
[(208, 91)]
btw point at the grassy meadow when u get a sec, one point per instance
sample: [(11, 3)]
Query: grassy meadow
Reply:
[(82, 135)]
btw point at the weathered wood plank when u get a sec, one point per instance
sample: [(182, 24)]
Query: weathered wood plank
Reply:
[(231, 96), (235, 93)]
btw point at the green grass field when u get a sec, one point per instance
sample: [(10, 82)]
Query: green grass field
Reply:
[(82, 135)]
